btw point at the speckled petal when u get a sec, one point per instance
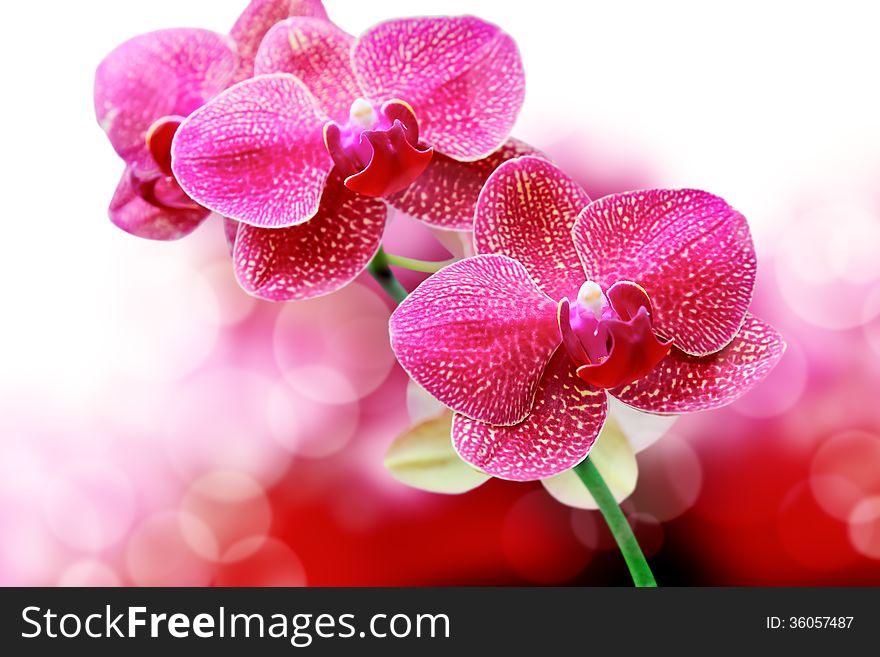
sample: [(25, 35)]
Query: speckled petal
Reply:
[(691, 252), (134, 215), (258, 18), (462, 76), (615, 459), (255, 153), (683, 384), (319, 54), (169, 72), (445, 195), (526, 211), (557, 435), (314, 258), (477, 335)]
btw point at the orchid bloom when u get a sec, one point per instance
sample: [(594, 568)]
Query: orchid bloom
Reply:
[(415, 112), (642, 295), (147, 86)]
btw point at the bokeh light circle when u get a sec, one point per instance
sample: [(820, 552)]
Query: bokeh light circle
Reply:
[(670, 479), (864, 527), (306, 426), (220, 510), (89, 572), (218, 420), (90, 506), (158, 553), (346, 331), (272, 563), (845, 470), (823, 273)]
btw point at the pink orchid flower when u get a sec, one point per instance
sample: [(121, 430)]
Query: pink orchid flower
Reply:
[(415, 112), (147, 86), (642, 295)]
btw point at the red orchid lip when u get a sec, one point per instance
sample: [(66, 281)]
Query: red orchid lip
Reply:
[(619, 346), (159, 137), (382, 160)]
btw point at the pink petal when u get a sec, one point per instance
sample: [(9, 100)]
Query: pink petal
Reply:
[(134, 215), (258, 18), (157, 74), (255, 153), (526, 211), (318, 53), (314, 258), (462, 76), (477, 335), (230, 231), (445, 195), (691, 252), (557, 435), (682, 383)]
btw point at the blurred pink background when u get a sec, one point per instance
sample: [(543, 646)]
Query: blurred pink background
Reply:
[(158, 426)]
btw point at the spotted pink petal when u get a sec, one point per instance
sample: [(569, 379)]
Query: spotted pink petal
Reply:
[(691, 252), (462, 76), (445, 195), (526, 211), (255, 153), (314, 258), (683, 384), (130, 212), (557, 435), (258, 18), (318, 53), (158, 74), (477, 335)]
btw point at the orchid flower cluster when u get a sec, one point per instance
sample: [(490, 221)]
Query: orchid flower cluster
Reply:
[(303, 138)]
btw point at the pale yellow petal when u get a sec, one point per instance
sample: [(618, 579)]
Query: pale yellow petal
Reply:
[(423, 457)]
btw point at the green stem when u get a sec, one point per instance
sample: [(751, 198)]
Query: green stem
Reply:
[(423, 266), (617, 523), (383, 275)]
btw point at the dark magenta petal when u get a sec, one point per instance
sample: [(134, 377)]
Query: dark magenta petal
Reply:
[(634, 352), (383, 159), (477, 335), (159, 138), (562, 427), (164, 73), (463, 76), (626, 298), (317, 257), (394, 164), (319, 54), (570, 340), (257, 19), (683, 383), (133, 214), (445, 195), (526, 211), (691, 252), (255, 153)]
